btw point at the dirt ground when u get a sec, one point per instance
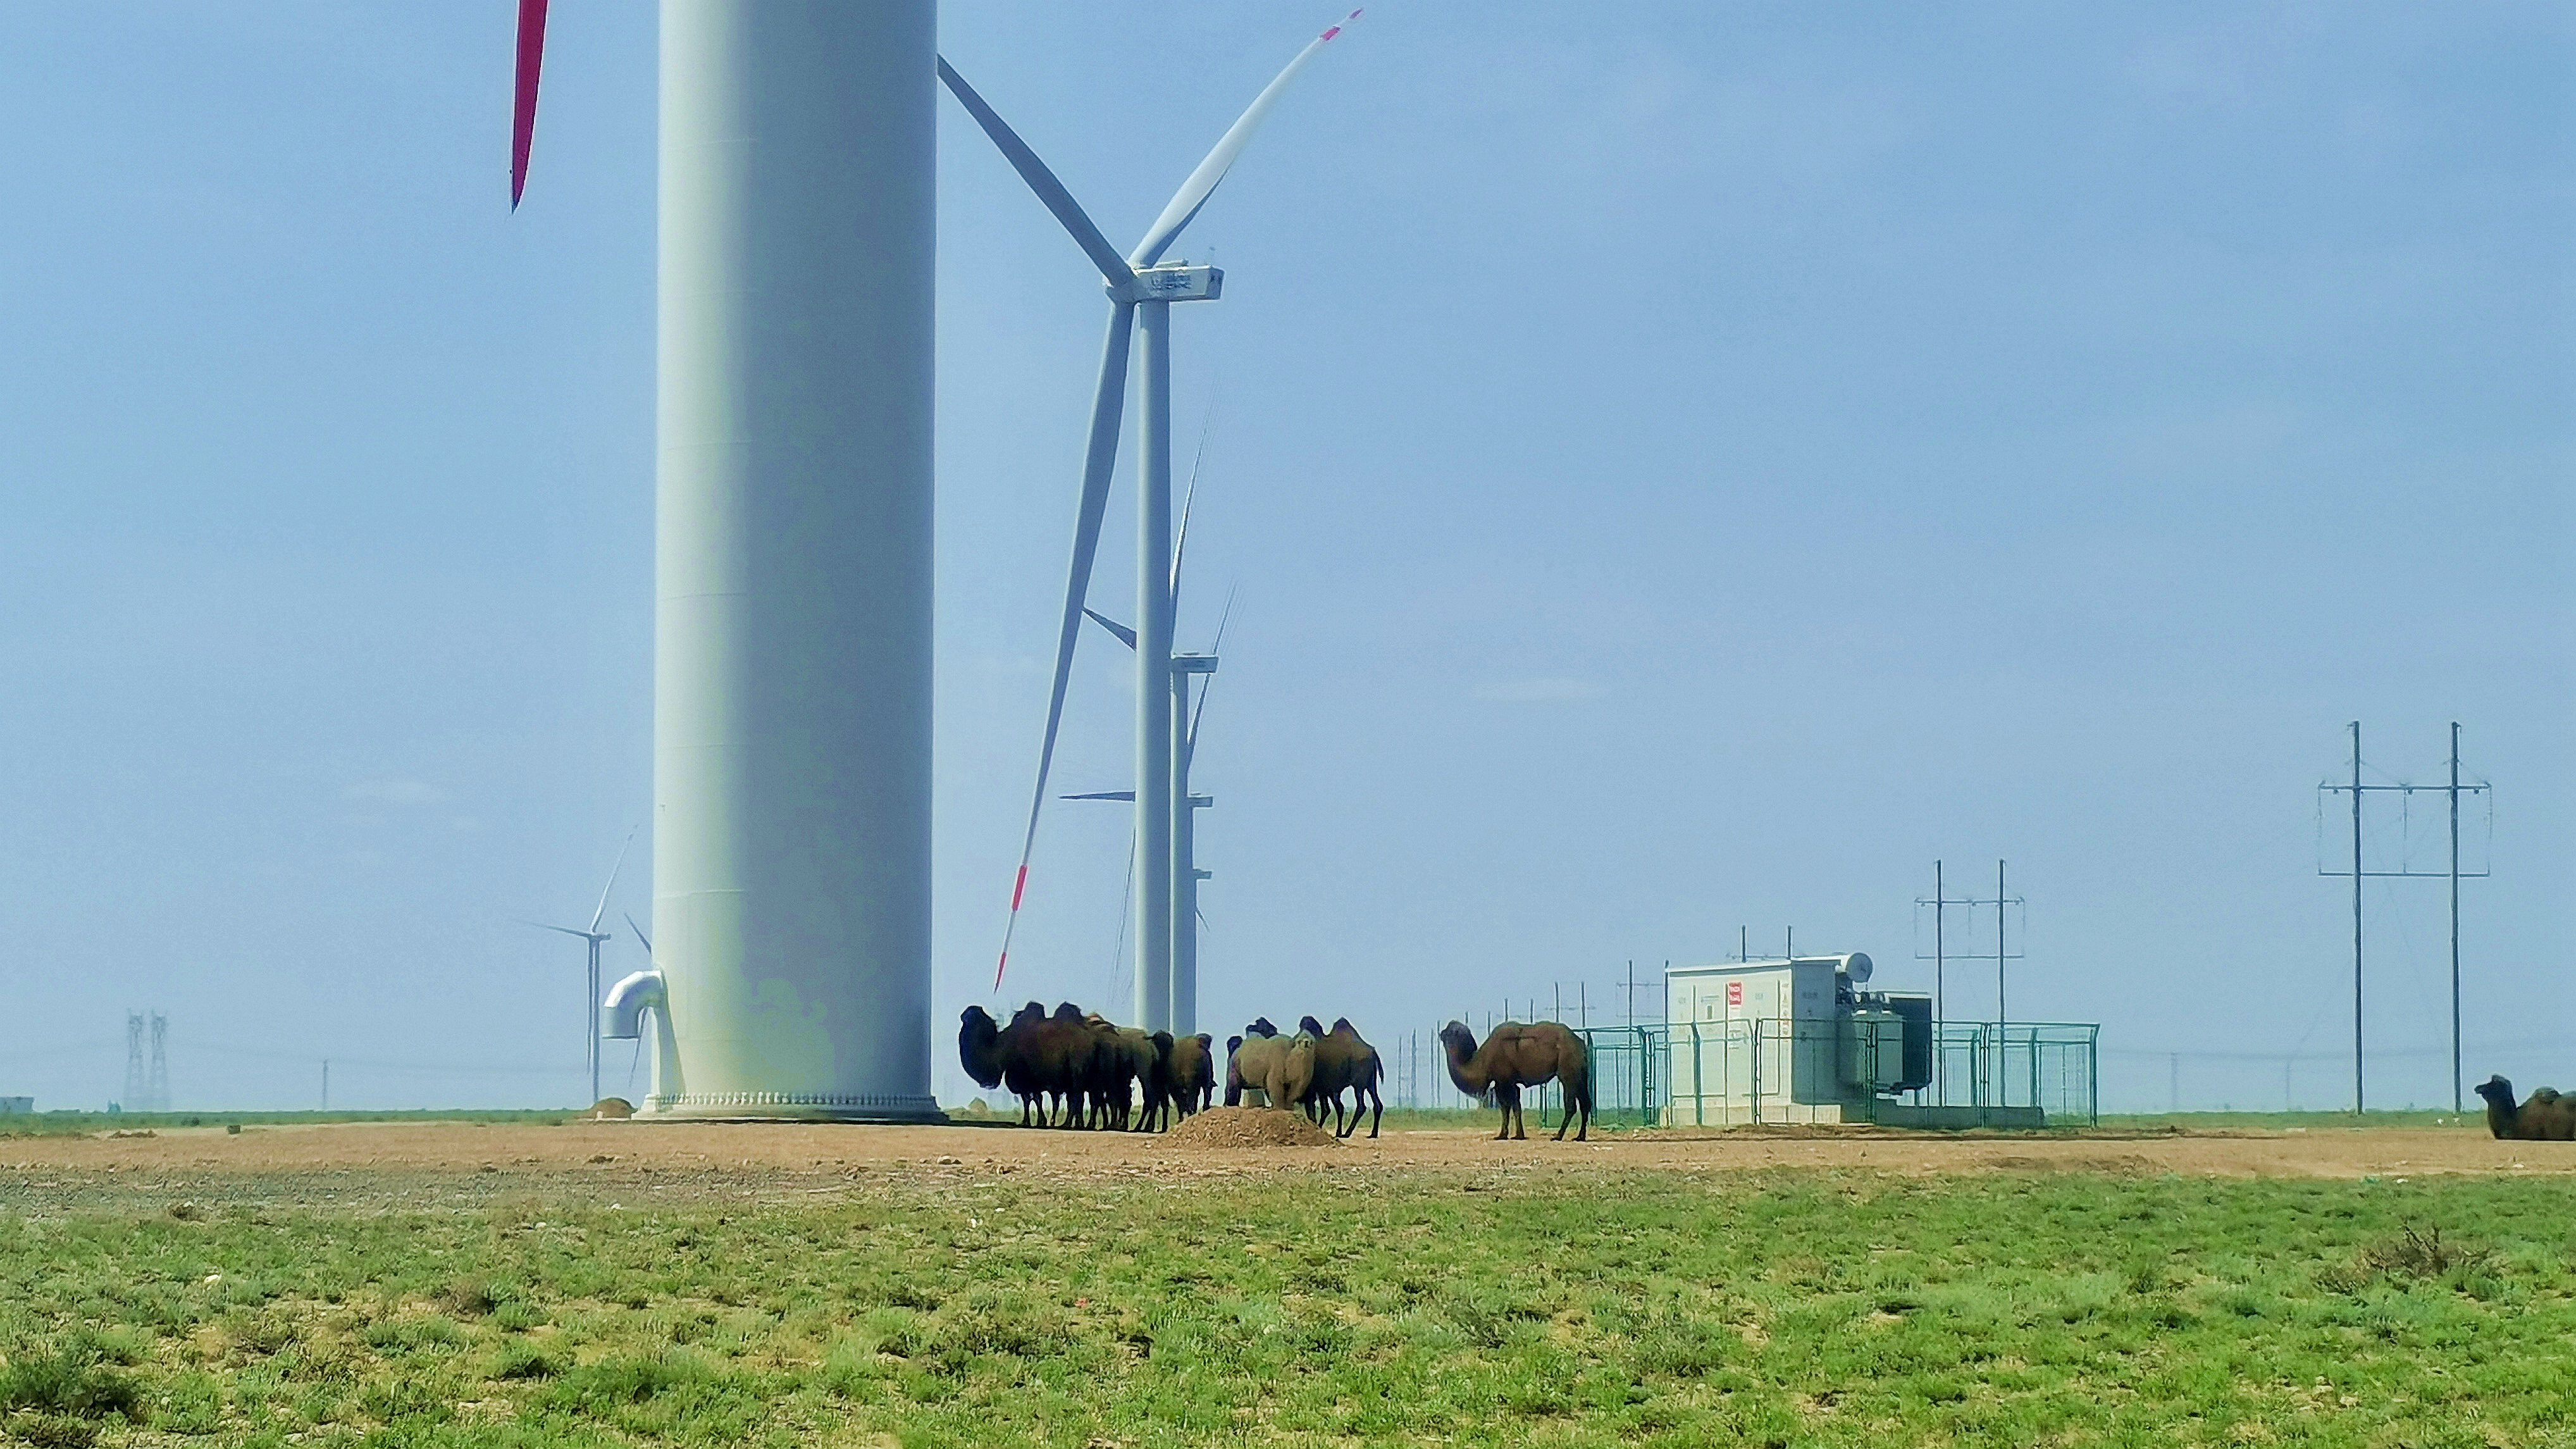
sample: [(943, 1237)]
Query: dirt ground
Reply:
[(397, 1164)]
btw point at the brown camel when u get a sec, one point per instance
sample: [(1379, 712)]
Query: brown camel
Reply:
[(2544, 1116), (1130, 1058), (1343, 1061), (1051, 1056), (979, 1046), (1518, 1056), (1280, 1068), (1192, 1073)]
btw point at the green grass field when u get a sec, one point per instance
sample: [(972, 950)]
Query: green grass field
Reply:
[(1485, 1307)]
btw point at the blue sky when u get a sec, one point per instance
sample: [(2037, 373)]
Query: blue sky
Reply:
[(1681, 468)]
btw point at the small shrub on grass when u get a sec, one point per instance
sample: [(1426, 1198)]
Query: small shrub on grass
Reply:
[(626, 1379), (469, 1298), (70, 1379), (50, 1431), (2423, 1253), (519, 1361)]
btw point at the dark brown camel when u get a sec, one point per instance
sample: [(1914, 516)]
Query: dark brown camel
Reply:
[(1129, 1058), (1343, 1062), (2544, 1116), (1050, 1056), (979, 1046), (1192, 1073), (1518, 1056)]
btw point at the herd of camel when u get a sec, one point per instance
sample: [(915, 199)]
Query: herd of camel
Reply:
[(1072, 1068)]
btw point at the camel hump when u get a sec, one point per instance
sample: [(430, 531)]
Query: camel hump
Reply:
[(2544, 1094), (1310, 1026), (1343, 1024)]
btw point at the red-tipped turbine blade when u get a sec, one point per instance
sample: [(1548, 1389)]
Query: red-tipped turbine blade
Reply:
[(523, 107)]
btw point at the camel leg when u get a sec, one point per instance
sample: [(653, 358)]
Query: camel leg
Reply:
[(1565, 1120), (1377, 1102), (1506, 1098)]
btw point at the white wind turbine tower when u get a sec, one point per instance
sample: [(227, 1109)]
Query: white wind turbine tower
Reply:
[(1141, 288), (596, 939)]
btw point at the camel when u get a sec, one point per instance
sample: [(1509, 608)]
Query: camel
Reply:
[(1279, 1068), (1192, 1074), (979, 1046), (1051, 1056), (2544, 1116), (1130, 1057), (1342, 1061), (1518, 1056)]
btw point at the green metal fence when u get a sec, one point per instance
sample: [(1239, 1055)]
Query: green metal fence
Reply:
[(1733, 1071)]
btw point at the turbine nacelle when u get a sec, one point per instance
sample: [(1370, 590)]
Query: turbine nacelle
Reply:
[(1178, 282)]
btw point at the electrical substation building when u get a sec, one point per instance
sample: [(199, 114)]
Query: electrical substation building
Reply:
[(1791, 1041)]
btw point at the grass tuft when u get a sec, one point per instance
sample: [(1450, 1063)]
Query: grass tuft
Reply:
[(71, 1379)]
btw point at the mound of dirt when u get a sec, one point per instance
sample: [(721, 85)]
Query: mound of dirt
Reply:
[(1249, 1127)]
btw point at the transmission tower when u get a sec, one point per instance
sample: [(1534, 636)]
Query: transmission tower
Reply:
[(157, 1093), (135, 1082)]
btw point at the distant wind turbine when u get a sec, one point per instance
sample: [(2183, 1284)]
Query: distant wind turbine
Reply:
[(594, 936), (1141, 288)]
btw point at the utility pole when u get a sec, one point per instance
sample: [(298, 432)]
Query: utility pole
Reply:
[(2359, 870), (2356, 917), (1744, 943), (326, 1085), (1940, 903), (2000, 1015), (2454, 793)]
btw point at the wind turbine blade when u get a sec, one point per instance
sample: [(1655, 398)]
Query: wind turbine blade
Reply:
[(1125, 635), (1190, 741), (612, 880), (1189, 495), (1194, 192), (523, 102), (567, 930), (1127, 795), (639, 932), (1113, 268), (1100, 458)]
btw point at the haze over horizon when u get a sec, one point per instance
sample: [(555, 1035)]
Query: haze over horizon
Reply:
[(1678, 470)]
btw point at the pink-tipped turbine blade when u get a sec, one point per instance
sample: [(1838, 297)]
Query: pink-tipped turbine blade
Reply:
[(1202, 182), (523, 101)]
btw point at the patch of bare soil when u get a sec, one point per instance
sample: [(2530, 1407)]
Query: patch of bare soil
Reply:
[(456, 1164), (1223, 1127)]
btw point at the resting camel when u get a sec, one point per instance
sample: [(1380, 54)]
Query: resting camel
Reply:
[(1279, 1068), (1342, 1061), (2545, 1116), (1192, 1073), (1518, 1056)]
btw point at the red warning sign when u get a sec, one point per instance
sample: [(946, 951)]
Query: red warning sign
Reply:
[(1734, 994)]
